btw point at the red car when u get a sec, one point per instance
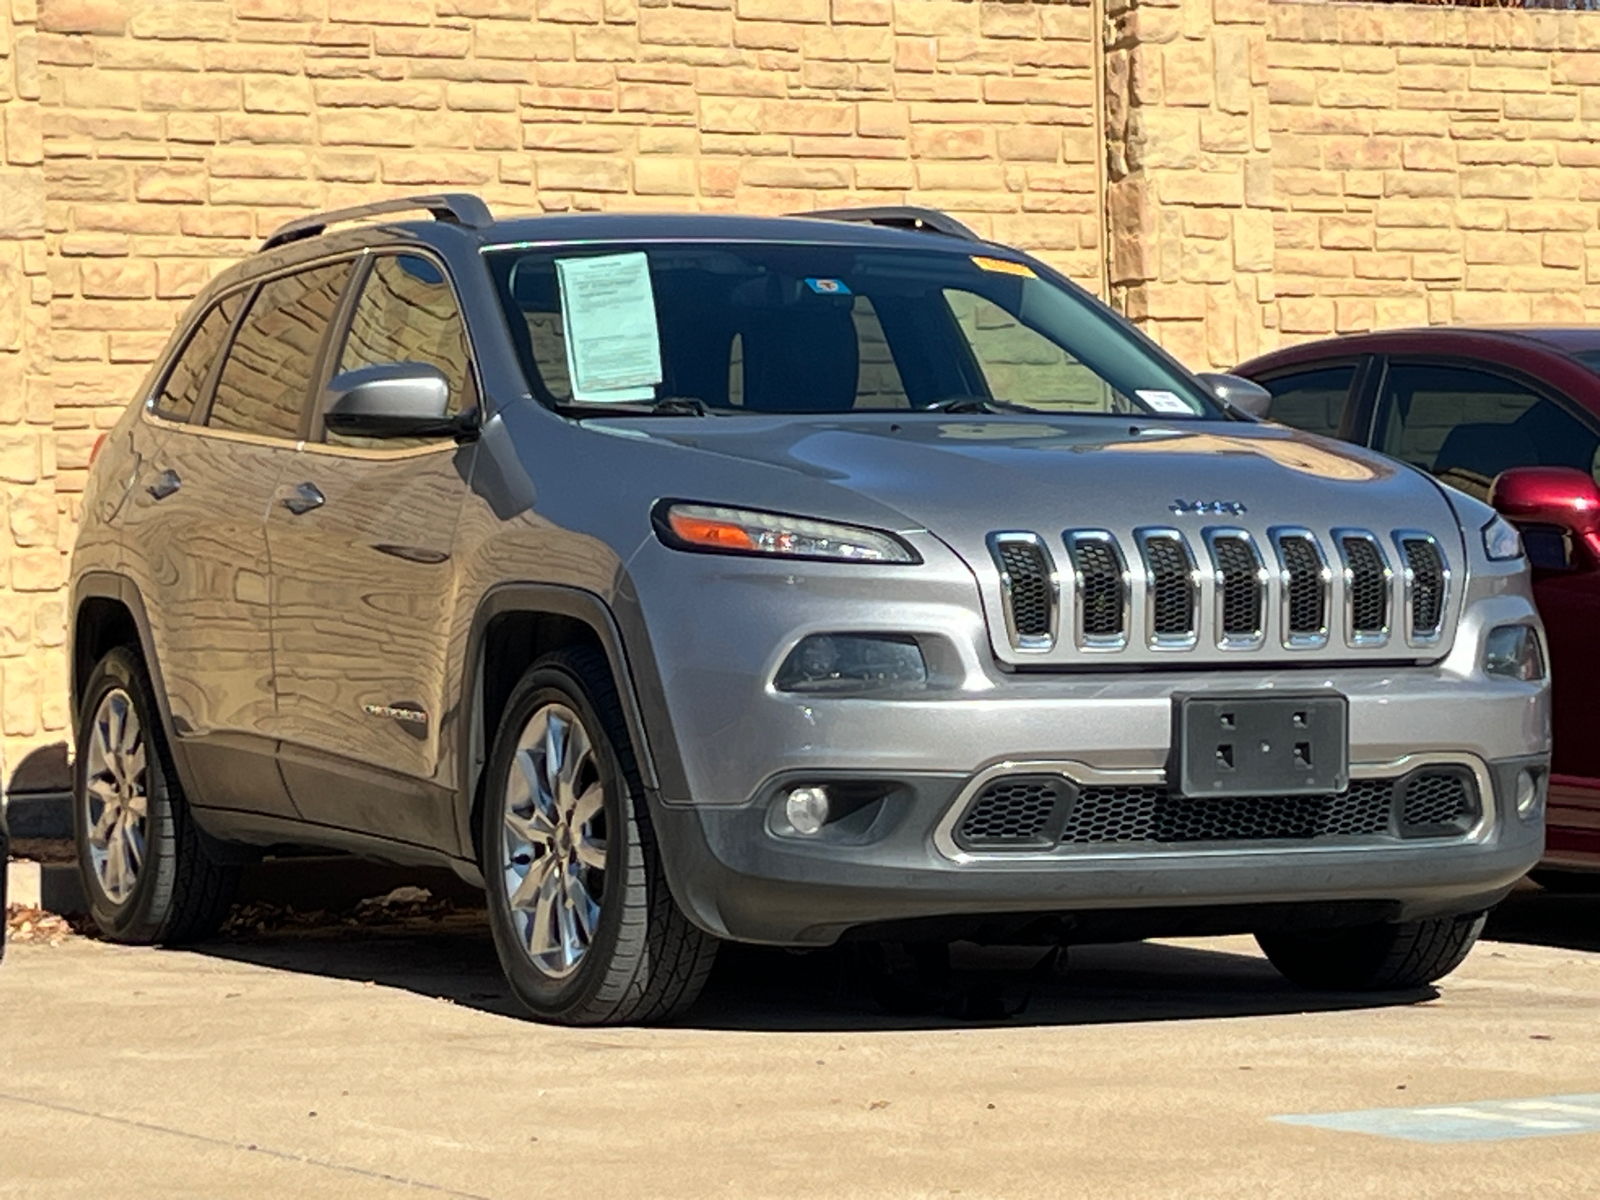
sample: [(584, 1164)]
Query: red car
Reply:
[(1511, 416)]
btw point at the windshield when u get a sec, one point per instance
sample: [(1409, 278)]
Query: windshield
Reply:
[(779, 328)]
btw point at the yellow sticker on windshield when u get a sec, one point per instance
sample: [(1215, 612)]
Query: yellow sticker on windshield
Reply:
[(1003, 266)]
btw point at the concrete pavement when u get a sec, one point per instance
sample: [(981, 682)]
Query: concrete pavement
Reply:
[(383, 1062)]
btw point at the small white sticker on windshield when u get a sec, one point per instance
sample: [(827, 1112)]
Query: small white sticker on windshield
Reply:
[(608, 319), (1166, 402)]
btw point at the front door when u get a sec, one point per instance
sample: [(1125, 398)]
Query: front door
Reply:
[(361, 533), (1466, 425)]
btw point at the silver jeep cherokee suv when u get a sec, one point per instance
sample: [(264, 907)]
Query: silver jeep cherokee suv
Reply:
[(681, 578)]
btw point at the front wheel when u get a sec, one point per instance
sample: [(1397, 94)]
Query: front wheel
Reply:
[(585, 927), (1373, 958)]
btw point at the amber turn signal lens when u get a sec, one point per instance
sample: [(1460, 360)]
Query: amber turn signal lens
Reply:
[(714, 535)]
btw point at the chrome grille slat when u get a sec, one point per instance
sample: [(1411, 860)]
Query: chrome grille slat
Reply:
[(1030, 589), (1172, 589), (1305, 586), (1101, 591), (1427, 585), (1368, 583), (1241, 586)]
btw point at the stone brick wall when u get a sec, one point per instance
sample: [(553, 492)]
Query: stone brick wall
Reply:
[(1231, 173), (1433, 165)]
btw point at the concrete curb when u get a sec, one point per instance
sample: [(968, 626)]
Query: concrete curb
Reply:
[(53, 887)]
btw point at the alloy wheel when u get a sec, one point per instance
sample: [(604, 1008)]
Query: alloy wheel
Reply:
[(117, 796), (554, 847)]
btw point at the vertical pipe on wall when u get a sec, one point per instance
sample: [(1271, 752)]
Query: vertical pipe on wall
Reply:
[(1097, 56)]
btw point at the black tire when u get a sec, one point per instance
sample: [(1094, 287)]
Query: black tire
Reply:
[(645, 960), (180, 893), (1373, 958), (1567, 883)]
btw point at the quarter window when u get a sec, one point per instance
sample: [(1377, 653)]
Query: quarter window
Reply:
[(267, 377), (1466, 426), (180, 391)]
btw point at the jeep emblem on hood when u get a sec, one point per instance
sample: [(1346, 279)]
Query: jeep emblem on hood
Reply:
[(1200, 508)]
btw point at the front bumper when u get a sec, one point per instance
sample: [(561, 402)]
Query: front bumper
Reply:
[(739, 874)]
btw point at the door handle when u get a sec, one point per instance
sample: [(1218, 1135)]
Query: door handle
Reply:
[(166, 483), (304, 498)]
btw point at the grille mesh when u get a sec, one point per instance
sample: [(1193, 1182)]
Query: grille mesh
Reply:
[(1024, 563), (1148, 814), (1011, 812), (1172, 588), (1307, 596), (1438, 798), (1101, 590), (1427, 588), (1240, 587), (1369, 591)]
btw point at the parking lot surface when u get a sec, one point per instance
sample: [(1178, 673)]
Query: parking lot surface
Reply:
[(384, 1061)]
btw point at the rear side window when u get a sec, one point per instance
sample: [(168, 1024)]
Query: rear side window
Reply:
[(1312, 400), (180, 392), (407, 313), (266, 379)]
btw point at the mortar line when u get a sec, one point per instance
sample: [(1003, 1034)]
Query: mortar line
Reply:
[(247, 1147)]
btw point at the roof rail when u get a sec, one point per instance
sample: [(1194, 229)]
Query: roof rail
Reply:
[(899, 216), (456, 208)]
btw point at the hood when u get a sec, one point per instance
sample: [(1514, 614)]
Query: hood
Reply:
[(964, 479)]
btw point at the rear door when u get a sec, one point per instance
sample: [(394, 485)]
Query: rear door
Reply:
[(198, 523), (361, 533), (1465, 423)]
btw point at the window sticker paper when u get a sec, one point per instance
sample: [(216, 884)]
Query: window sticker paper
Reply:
[(1166, 402), (829, 287), (608, 319)]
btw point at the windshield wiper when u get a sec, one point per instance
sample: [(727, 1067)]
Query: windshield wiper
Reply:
[(973, 404), (666, 406)]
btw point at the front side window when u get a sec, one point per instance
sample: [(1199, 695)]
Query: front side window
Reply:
[(1466, 425), (181, 389), (267, 377), (1312, 400), (780, 328)]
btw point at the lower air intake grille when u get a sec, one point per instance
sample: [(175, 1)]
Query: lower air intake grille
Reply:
[(1028, 591), (1367, 579), (1149, 814), (1426, 565), (1444, 799), (1239, 585), (1014, 812)]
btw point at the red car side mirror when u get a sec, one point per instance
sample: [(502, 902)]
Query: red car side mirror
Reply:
[(1556, 498)]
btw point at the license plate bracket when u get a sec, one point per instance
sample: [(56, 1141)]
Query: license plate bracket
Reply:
[(1260, 745)]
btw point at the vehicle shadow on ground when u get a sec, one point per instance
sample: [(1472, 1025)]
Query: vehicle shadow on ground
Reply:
[(1536, 917), (835, 990)]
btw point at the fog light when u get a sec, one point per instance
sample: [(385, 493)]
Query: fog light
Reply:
[(1512, 652), (806, 809), (1527, 794)]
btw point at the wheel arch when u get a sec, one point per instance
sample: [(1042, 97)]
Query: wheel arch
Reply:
[(514, 626), (107, 612)]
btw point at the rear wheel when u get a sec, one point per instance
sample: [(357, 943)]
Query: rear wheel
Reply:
[(1373, 958), (585, 927), (146, 871)]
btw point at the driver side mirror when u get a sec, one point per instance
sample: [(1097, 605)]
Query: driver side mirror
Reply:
[(392, 400), (1238, 393), (1557, 510)]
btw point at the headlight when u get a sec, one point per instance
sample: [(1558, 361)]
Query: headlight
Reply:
[(1501, 540), (742, 531), (853, 664), (1512, 652)]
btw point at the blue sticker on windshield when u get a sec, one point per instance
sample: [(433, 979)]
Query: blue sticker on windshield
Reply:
[(828, 287)]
